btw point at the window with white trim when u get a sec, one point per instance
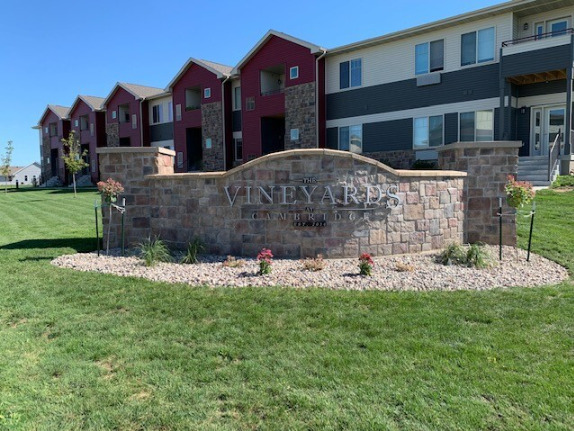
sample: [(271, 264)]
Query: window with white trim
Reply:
[(170, 111), (134, 121), (178, 112), (476, 126), (477, 47), (157, 114), (429, 57), (350, 73), (237, 98), (428, 132), (84, 122), (351, 138), (294, 72), (206, 93), (53, 129)]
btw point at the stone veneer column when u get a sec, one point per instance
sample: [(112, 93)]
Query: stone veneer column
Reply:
[(130, 166), (212, 127), (300, 114), (46, 152), (113, 135), (488, 165)]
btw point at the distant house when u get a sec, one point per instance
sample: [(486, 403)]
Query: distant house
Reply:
[(54, 125), (23, 175)]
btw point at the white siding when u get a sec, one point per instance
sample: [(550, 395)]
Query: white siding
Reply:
[(395, 61), (24, 176), (531, 20), (164, 101)]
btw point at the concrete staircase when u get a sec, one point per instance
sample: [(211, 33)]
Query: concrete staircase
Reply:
[(534, 169)]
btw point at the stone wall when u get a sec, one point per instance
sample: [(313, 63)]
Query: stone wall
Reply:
[(299, 203), (113, 135), (212, 127), (488, 165), (300, 114), (46, 159)]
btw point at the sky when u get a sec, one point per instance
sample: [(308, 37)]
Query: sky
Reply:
[(53, 51)]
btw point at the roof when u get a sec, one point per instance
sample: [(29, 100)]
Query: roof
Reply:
[(93, 102), (220, 70), (62, 112), (520, 6), (140, 92), (15, 169), (315, 49)]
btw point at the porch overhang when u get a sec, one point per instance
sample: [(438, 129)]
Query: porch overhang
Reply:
[(539, 77)]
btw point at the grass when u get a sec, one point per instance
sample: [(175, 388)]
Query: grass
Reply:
[(91, 351)]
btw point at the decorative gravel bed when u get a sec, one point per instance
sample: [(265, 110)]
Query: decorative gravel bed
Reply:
[(424, 274)]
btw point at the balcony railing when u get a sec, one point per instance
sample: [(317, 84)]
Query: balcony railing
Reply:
[(537, 37)]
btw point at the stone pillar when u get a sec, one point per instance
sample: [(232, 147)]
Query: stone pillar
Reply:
[(131, 166), (112, 135), (488, 165), (300, 114), (212, 128)]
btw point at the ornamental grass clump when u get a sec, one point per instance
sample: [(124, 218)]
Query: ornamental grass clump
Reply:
[(264, 257), (316, 264), (476, 256), (366, 264), (518, 193), (194, 248), (153, 251), (109, 191)]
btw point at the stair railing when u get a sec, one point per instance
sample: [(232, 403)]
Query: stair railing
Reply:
[(553, 153)]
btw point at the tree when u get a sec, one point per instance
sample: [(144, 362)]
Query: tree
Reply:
[(73, 159), (5, 166)]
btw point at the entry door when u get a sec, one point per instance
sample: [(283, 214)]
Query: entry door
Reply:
[(546, 123)]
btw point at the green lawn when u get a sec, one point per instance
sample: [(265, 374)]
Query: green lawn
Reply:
[(98, 352)]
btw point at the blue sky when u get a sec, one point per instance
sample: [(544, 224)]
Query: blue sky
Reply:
[(53, 51)]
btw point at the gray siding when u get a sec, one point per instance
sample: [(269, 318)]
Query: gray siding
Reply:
[(522, 130), (236, 121), (332, 138), (388, 136), (469, 84), (541, 60), (451, 128), (161, 132)]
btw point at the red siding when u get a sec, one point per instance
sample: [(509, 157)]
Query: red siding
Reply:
[(275, 52), (56, 141), (122, 97), (194, 76)]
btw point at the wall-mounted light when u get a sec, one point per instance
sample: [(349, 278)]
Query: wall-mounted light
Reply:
[(525, 26), (523, 110)]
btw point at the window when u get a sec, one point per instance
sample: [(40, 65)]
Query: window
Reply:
[(429, 57), (238, 143), (350, 73), (557, 27), (91, 129), (207, 93), (76, 123), (84, 122), (46, 130), (476, 126), (237, 98), (53, 129), (294, 72), (192, 99), (169, 111), (208, 143), (294, 134), (427, 132), (157, 114), (114, 115), (250, 103), (134, 121), (124, 113), (351, 138), (178, 112), (477, 47)]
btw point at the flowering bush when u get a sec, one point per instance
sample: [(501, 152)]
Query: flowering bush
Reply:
[(518, 193), (264, 257), (110, 190), (365, 264)]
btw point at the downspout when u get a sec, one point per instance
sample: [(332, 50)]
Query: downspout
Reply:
[(223, 120), (141, 121), (317, 94)]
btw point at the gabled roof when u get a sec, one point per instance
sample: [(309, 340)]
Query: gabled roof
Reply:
[(16, 169), (520, 7), (315, 49), (140, 92), (62, 112), (220, 70), (93, 102)]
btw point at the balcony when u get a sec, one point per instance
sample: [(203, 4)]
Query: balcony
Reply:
[(536, 42)]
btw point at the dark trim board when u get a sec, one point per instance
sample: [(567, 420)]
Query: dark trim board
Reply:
[(161, 132), (474, 83), (537, 61)]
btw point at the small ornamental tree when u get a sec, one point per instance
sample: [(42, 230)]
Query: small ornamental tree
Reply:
[(518, 193), (109, 190), (5, 166), (73, 159)]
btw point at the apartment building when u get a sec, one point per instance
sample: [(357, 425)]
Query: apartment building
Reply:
[(54, 125), (201, 99), (499, 73), (160, 118), (88, 121), (127, 118)]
